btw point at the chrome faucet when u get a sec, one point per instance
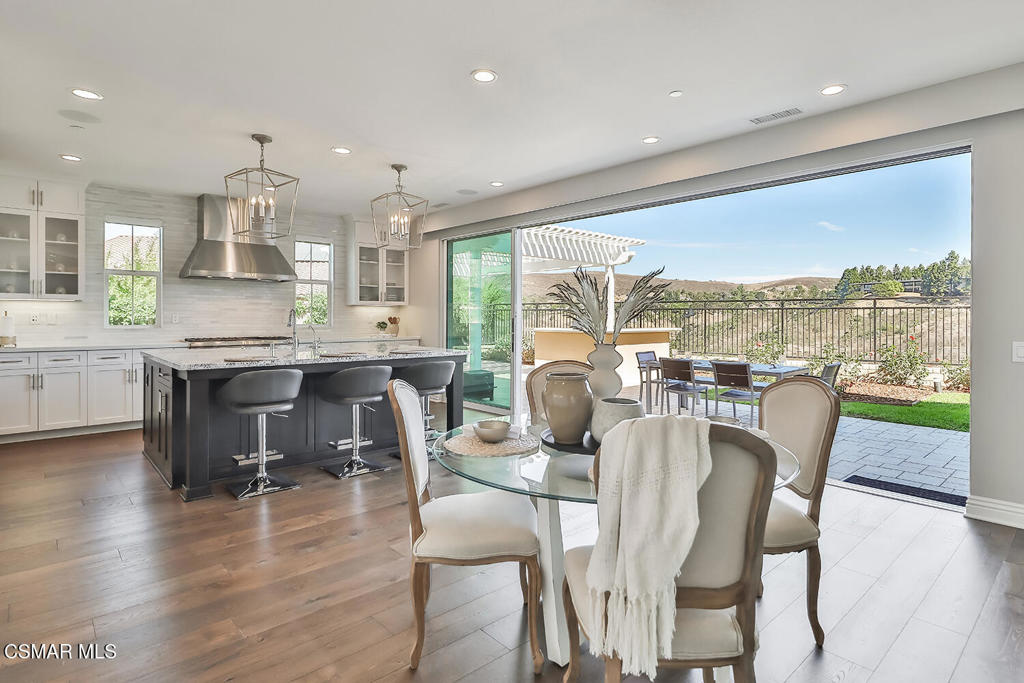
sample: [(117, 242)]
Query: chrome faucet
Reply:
[(316, 340), (292, 323)]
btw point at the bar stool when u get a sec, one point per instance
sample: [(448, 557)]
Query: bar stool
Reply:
[(428, 379), (259, 393), (356, 387)]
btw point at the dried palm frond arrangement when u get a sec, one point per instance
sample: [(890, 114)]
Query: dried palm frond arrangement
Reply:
[(587, 303)]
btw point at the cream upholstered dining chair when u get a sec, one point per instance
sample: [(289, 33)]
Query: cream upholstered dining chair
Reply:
[(462, 529), (801, 413), (716, 588), (538, 377)]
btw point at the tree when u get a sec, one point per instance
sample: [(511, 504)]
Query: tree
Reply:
[(887, 288)]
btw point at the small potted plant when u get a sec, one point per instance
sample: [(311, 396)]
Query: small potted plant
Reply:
[(381, 325)]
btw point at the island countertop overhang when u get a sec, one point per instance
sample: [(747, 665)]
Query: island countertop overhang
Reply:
[(197, 360)]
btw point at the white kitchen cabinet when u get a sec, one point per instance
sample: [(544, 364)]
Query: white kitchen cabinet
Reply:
[(63, 397), (378, 276), (19, 410), (110, 394), (42, 245)]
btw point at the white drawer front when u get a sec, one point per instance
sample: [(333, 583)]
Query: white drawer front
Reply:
[(62, 359), (15, 361), (112, 357), (137, 355)]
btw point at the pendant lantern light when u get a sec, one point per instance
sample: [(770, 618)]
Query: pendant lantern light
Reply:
[(398, 216), (261, 201)]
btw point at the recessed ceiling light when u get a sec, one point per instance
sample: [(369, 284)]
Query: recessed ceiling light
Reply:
[(650, 139), (341, 150), (676, 93), (497, 183), (483, 75), (86, 94), (834, 89), (70, 157)]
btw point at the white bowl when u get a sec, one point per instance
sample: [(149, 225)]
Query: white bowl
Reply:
[(492, 431)]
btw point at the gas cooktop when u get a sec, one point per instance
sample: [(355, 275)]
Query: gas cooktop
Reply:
[(199, 342)]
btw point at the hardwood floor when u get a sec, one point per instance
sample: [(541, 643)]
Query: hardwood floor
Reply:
[(312, 584)]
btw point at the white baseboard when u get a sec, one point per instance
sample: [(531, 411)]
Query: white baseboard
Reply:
[(997, 511), (72, 431)]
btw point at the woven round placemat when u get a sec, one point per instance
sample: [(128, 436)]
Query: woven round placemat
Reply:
[(471, 444)]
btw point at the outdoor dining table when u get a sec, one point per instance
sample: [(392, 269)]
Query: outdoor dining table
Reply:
[(550, 475), (776, 370)]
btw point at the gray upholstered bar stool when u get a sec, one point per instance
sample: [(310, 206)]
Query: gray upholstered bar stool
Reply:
[(429, 379), (356, 387), (259, 393)]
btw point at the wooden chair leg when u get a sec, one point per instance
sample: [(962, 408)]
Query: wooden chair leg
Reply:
[(523, 584), (612, 670), (743, 670), (572, 671), (420, 578), (813, 582), (533, 611), (708, 675)]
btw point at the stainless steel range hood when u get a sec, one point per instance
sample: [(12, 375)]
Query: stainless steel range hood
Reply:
[(218, 254)]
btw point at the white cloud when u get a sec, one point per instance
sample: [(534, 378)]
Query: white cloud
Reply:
[(915, 250), (831, 227)]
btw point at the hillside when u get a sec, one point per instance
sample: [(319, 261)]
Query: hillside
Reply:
[(536, 285)]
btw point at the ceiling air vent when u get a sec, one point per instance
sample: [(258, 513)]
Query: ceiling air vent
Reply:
[(768, 118)]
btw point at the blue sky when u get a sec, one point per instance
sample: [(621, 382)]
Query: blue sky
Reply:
[(906, 214)]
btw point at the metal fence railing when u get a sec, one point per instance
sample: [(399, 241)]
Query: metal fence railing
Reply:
[(857, 327)]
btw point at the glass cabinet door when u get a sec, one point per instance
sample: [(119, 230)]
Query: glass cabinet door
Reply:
[(16, 253), (60, 252), (369, 274), (394, 275)]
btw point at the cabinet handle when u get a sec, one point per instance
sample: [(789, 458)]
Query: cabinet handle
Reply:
[(33, 382), (40, 380), (10, 361), (33, 196), (109, 357), (61, 360), (40, 197)]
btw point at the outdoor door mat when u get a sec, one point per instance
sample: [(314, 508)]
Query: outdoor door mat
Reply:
[(939, 496)]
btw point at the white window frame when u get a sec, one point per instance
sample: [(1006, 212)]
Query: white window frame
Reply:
[(107, 272), (329, 282)]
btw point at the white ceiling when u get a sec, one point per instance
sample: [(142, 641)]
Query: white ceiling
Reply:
[(580, 82)]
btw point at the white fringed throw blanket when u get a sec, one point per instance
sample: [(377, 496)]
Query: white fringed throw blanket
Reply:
[(650, 472)]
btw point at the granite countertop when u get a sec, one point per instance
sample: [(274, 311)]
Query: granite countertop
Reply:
[(86, 345), (259, 357)]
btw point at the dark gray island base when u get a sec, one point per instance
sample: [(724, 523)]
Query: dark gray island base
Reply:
[(191, 439)]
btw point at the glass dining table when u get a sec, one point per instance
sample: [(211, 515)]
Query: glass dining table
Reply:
[(550, 475)]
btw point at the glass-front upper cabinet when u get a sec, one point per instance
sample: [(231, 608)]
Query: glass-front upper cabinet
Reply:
[(17, 253), (60, 256), (368, 269), (395, 276)]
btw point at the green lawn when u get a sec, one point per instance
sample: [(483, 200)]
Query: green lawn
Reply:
[(946, 411)]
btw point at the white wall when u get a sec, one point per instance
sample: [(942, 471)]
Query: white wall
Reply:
[(205, 307), (997, 411)]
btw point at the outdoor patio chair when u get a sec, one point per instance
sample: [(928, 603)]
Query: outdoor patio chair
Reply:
[(830, 373), (739, 384), (643, 358), (801, 413), (538, 377), (679, 379)]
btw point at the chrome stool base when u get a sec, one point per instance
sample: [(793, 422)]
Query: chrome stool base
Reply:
[(262, 484), (354, 467)]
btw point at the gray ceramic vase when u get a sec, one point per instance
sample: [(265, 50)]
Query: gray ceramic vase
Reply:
[(609, 412), (568, 403)]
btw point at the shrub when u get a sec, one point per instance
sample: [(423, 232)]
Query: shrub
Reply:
[(902, 366), (529, 355), (501, 351), (851, 369), (764, 347), (957, 377), (887, 288)]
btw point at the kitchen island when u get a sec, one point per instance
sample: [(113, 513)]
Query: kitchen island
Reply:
[(193, 441)]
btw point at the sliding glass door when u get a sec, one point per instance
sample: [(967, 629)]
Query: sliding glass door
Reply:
[(480, 316)]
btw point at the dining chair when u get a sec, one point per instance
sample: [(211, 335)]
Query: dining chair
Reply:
[(716, 588), (801, 413), (830, 373), (538, 377), (680, 379), (461, 529), (643, 358), (741, 385)]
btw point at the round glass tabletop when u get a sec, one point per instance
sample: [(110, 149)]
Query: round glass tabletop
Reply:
[(551, 473)]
